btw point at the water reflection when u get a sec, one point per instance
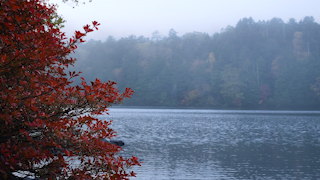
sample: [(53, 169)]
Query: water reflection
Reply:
[(208, 144)]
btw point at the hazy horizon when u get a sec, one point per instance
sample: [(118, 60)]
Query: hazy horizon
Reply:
[(123, 18)]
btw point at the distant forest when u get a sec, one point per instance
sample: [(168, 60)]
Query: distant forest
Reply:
[(254, 65)]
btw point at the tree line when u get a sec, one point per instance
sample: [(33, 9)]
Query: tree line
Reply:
[(253, 65)]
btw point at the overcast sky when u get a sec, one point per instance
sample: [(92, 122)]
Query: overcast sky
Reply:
[(121, 18)]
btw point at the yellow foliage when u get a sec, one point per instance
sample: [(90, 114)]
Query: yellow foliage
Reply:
[(211, 58)]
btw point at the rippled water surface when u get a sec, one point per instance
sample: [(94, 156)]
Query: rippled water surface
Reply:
[(217, 144)]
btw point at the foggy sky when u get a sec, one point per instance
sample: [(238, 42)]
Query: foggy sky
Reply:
[(121, 18)]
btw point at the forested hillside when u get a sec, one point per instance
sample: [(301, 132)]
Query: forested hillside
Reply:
[(262, 65)]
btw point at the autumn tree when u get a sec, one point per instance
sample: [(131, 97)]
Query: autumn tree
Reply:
[(50, 128)]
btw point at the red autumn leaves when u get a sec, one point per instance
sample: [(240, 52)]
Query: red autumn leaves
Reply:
[(46, 120)]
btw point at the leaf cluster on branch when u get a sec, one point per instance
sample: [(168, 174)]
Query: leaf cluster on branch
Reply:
[(48, 124)]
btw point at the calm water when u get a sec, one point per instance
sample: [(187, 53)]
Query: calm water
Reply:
[(216, 144)]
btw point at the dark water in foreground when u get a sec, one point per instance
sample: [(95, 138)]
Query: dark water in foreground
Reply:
[(216, 144)]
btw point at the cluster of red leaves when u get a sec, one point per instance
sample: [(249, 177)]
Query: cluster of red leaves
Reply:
[(45, 121), (265, 93)]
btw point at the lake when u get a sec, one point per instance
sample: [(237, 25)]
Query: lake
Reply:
[(220, 144)]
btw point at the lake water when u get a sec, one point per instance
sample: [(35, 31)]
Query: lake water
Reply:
[(219, 144)]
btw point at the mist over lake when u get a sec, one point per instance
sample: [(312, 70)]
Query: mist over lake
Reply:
[(220, 144), (195, 90), (256, 64), (266, 65)]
